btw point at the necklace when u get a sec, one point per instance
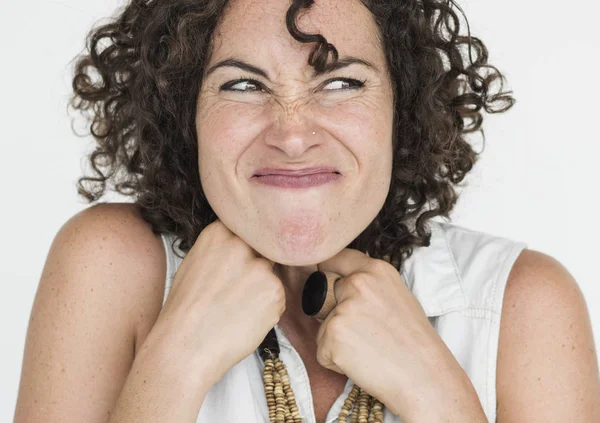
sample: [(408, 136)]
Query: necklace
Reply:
[(318, 299), (359, 405)]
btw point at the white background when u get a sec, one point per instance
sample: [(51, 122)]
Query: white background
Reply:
[(536, 181)]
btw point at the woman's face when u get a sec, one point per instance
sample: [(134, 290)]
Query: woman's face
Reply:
[(270, 123)]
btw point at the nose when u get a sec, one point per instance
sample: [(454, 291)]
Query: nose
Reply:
[(292, 128)]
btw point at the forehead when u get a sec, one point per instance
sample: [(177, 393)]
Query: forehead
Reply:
[(256, 28)]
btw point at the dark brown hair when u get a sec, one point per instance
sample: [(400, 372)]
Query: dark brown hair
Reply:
[(138, 81)]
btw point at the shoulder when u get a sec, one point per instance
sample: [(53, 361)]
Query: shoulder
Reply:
[(535, 273), (101, 286), (127, 256), (547, 365), (114, 231), (116, 224), (103, 214), (539, 286)]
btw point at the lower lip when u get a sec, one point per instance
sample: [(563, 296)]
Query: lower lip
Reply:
[(304, 181)]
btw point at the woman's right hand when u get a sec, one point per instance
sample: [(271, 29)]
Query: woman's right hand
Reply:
[(224, 299)]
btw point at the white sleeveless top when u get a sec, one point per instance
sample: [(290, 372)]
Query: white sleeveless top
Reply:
[(459, 279)]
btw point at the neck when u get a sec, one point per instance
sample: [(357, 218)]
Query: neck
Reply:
[(293, 318)]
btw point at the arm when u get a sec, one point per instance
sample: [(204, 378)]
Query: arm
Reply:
[(101, 286), (547, 363), (162, 385)]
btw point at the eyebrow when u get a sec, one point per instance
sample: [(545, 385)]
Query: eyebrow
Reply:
[(342, 62)]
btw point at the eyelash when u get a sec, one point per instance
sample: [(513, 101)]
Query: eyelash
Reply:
[(358, 83)]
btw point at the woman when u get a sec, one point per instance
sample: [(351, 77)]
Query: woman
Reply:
[(207, 113)]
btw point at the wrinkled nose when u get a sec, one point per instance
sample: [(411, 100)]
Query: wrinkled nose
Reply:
[(292, 128)]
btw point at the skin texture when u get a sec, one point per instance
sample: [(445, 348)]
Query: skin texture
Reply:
[(272, 124), (547, 362), (106, 256), (99, 262)]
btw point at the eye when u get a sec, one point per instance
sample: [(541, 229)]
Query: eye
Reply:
[(255, 86), (349, 83), (228, 86)]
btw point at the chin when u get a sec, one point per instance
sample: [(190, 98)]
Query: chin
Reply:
[(301, 263), (297, 260), (297, 254)]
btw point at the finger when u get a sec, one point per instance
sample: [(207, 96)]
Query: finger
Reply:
[(345, 262), (323, 355), (324, 324), (271, 262)]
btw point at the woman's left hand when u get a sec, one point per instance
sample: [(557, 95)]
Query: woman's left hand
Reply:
[(379, 336)]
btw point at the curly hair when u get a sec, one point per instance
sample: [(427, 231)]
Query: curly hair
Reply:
[(138, 79)]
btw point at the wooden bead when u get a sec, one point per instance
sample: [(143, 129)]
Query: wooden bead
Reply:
[(281, 401)]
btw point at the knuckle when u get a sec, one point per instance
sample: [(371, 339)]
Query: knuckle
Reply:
[(381, 266), (362, 283), (279, 291), (327, 351), (341, 309), (218, 229), (358, 281), (271, 283), (238, 247), (282, 308), (264, 264), (209, 233), (212, 228), (321, 355), (277, 294)]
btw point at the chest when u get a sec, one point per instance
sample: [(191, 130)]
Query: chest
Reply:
[(325, 391), (325, 385)]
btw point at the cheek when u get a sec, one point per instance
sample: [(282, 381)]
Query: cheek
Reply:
[(225, 128), (369, 112), (225, 118), (365, 126)]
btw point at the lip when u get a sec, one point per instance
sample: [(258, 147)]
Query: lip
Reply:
[(295, 172), (297, 181)]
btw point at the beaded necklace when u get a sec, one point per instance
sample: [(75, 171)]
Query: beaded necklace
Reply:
[(318, 300)]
